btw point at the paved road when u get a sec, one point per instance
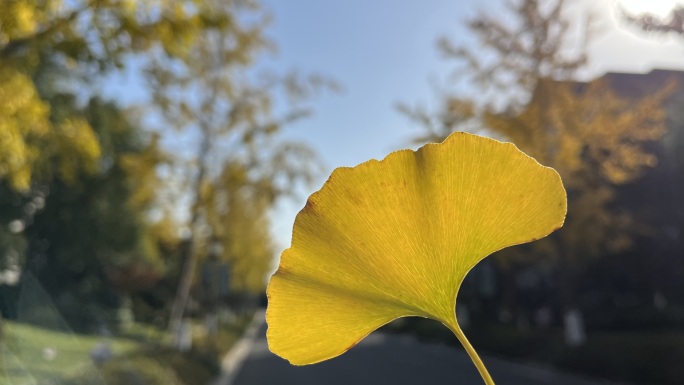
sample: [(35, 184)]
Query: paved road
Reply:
[(389, 359)]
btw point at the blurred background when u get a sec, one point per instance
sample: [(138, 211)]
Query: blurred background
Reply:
[(154, 154)]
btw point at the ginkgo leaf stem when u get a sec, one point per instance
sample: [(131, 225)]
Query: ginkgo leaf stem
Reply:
[(472, 353)]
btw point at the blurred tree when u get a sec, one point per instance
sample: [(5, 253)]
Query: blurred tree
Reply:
[(455, 114), (508, 63), (62, 158), (596, 143), (237, 204), (593, 138), (671, 24), (237, 210), (667, 215), (199, 58), (45, 48), (538, 41), (85, 37), (33, 146), (230, 112), (94, 224)]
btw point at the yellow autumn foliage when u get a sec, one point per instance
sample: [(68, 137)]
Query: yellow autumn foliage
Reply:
[(24, 123), (30, 141), (596, 140)]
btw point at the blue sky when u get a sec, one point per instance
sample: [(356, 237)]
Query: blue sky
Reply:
[(384, 52), (381, 52)]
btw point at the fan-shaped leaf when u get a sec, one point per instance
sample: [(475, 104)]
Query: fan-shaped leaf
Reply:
[(396, 237)]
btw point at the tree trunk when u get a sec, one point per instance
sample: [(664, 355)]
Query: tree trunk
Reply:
[(188, 254), (573, 320), (183, 293)]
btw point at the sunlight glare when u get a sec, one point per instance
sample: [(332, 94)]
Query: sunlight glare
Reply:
[(660, 8)]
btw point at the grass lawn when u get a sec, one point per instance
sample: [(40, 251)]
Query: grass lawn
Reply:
[(31, 355)]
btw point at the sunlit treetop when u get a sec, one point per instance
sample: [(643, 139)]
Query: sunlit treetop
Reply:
[(396, 237)]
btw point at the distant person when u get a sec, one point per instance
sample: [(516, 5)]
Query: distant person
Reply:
[(101, 353)]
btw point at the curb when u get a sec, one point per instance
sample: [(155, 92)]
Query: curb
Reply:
[(233, 360)]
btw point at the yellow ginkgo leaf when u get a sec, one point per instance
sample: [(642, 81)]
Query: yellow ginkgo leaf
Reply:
[(396, 237)]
